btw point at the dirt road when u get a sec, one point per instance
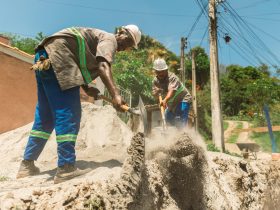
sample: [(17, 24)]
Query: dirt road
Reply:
[(243, 137)]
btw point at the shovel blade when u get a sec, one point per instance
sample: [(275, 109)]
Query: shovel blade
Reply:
[(143, 116)]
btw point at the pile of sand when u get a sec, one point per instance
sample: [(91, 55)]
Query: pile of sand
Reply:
[(102, 145), (173, 173)]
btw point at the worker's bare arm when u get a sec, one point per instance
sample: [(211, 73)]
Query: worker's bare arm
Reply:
[(168, 96), (105, 73)]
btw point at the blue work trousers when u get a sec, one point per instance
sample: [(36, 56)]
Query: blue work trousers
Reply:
[(180, 117), (56, 109)]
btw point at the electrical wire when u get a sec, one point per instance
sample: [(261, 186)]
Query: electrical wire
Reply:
[(253, 42), (253, 4), (204, 34), (115, 10)]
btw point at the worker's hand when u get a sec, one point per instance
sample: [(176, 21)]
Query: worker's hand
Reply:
[(163, 103), (156, 91), (117, 102), (92, 92)]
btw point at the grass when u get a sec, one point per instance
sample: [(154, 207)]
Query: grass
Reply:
[(263, 139), (225, 125), (232, 153), (3, 178), (211, 147), (233, 138)]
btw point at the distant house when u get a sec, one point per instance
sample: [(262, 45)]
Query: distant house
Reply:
[(17, 87)]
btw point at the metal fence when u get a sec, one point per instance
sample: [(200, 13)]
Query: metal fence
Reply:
[(127, 97)]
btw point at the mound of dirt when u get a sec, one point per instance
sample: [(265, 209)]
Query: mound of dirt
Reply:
[(166, 172), (101, 146), (102, 135)]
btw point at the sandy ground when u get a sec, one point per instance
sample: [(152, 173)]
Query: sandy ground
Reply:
[(101, 146), (131, 172)]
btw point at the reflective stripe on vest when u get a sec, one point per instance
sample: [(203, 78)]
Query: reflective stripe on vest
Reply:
[(40, 134), (82, 54), (66, 137), (180, 90)]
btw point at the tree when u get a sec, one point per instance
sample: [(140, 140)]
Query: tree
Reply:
[(26, 44), (40, 37), (202, 66), (264, 69), (204, 111), (246, 89), (263, 91), (132, 71)]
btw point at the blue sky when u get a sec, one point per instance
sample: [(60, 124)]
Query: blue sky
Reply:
[(164, 20)]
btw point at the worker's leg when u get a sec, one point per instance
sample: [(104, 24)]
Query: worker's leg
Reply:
[(184, 113), (66, 106), (43, 123), (169, 117), (41, 130)]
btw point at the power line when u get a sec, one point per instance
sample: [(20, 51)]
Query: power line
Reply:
[(266, 14), (204, 34), (241, 25), (257, 18), (253, 35), (239, 37), (115, 10), (268, 34), (241, 44), (253, 4), (202, 6), (195, 23)]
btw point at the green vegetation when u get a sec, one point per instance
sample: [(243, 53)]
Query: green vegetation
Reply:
[(233, 138), (3, 178), (263, 139), (225, 125), (211, 147), (245, 90), (232, 154), (202, 67), (133, 70), (26, 44)]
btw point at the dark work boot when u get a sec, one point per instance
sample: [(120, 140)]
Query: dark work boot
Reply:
[(67, 172), (27, 168)]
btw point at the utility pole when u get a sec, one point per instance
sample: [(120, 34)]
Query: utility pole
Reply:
[(182, 62), (217, 121), (194, 101)]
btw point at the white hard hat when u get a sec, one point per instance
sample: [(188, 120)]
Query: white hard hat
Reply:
[(160, 65), (134, 32)]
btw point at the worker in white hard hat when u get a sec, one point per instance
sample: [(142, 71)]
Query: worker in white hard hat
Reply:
[(176, 97), (64, 62)]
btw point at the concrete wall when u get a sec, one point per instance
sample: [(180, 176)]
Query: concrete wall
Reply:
[(17, 93)]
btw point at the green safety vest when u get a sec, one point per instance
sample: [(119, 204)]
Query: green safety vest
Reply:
[(82, 55)]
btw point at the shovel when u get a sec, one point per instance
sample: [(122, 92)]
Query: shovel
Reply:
[(143, 117), (123, 107), (162, 111)]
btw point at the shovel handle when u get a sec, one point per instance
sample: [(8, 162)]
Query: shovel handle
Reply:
[(162, 112), (161, 107), (123, 106)]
